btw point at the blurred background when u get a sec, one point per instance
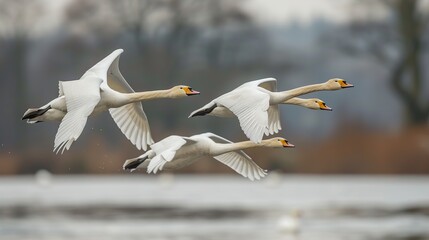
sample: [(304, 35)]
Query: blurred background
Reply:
[(378, 127)]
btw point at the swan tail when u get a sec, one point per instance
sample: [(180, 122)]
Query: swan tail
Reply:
[(204, 110), (33, 113), (133, 163)]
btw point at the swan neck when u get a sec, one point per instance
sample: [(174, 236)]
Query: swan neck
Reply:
[(286, 95), (295, 101), (222, 148), (148, 95)]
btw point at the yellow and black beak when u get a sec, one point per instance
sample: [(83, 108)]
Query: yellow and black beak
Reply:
[(345, 84), (285, 143), (189, 91), (323, 106)]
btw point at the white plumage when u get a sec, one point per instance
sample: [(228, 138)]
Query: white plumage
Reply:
[(101, 88), (255, 104), (176, 152)]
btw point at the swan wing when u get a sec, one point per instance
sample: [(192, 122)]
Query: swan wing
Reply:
[(101, 68), (274, 125), (133, 123), (81, 98), (268, 83), (165, 151), (239, 161), (242, 164), (108, 70), (250, 106), (130, 118)]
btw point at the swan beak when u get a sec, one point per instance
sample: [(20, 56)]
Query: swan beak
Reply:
[(285, 143), (345, 84), (325, 107), (189, 91)]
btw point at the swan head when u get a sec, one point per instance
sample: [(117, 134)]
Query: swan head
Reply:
[(338, 83), (182, 91), (277, 142), (317, 104)]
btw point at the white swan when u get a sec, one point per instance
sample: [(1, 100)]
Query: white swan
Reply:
[(310, 103), (175, 152), (255, 104), (101, 88)]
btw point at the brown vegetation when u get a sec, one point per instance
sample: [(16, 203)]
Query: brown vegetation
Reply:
[(353, 151)]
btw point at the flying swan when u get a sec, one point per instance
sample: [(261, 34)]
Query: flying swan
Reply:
[(255, 104), (101, 88), (175, 152)]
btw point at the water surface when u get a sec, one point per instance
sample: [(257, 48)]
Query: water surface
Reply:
[(213, 207)]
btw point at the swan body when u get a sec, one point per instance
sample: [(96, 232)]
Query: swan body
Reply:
[(256, 103), (101, 88), (176, 152)]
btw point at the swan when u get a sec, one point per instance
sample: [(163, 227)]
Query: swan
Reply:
[(256, 103), (101, 88), (310, 103), (175, 152)]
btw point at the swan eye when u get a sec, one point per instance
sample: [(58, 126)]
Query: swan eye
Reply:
[(316, 101), (181, 87)]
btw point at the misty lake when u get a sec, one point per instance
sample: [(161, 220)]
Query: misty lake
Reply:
[(206, 207)]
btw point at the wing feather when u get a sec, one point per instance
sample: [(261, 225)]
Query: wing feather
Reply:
[(108, 70), (246, 167), (268, 83), (274, 125), (81, 98), (239, 161), (165, 151), (250, 106), (133, 124)]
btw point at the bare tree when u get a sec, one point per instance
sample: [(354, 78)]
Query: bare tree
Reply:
[(18, 20), (396, 40)]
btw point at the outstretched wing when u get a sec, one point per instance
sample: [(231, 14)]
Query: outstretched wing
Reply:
[(274, 125), (250, 106), (165, 151), (273, 111), (268, 83), (130, 118), (81, 98), (237, 160), (133, 124)]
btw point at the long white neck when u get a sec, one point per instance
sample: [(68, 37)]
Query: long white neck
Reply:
[(280, 97), (149, 95), (221, 148), (296, 101)]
